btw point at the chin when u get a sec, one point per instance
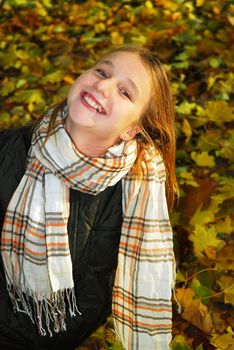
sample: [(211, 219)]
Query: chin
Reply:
[(79, 117)]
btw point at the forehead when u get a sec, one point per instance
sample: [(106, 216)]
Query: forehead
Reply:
[(129, 65)]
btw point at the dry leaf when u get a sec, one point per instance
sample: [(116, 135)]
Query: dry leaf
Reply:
[(194, 311), (227, 285)]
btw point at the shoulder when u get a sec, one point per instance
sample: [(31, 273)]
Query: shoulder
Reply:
[(14, 146), (12, 138)]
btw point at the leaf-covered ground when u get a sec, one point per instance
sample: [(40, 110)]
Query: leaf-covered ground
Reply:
[(45, 44)]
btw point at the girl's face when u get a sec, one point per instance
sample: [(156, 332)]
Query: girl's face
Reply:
[(108, 100)]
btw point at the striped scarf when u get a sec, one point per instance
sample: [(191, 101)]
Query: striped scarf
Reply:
[(35, 247)]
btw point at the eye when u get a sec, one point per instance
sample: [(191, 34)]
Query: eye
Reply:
[(125, 93), (101, 72)]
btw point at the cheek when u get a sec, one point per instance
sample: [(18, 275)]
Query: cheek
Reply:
[(132, 114), (72, 91), (76, 87)]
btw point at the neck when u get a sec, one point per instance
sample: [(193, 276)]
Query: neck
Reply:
[(85, 142)]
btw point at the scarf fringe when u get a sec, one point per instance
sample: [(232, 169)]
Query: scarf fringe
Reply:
[(53, 309)]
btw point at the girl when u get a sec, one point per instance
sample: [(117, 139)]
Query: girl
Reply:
[(86, 225)]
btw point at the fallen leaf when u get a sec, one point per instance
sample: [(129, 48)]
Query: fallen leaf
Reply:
[(194, 312), (227, 285), (225, 225), (225, 258), (202, 217), (223, 342), (198, 315), (179, 342), (204, 237), (203, 159), (219, 112), (186, 127)]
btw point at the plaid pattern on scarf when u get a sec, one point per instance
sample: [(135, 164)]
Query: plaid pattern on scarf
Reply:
[(35, 246)]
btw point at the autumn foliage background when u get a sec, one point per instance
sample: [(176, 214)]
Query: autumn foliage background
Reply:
[(45, 44)]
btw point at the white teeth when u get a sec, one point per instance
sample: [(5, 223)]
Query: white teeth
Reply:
[(92, 103)]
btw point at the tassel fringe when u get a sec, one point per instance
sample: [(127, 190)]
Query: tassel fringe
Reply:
[(49, 315)]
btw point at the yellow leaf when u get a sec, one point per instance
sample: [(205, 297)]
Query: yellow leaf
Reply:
[(29, 96), (21, 2), (231, 19), (185, 296), (186, 107), (199, 3), (31, 107), (223, 342), (116, 38), (202, 217), (227, 285), (149, 5), (20, 83), (8, 87), (225, 226), (188, 179), (203, 238), (180, 342), (219, 112), (53, 77), (100, 27), (186, 127), (230, 331), (68, 79), (210, 140), (203, 159), (227, 150)]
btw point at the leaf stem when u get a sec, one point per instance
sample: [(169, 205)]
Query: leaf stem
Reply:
[(214, 295), (196, 273)]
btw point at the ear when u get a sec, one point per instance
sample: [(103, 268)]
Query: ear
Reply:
[(130, 133)]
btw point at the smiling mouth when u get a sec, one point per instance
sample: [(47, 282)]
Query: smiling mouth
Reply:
[(91, 102)]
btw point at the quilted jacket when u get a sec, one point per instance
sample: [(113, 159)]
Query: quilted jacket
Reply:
[(94, 231)]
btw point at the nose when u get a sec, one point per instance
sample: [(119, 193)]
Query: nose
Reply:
[(105, 86)]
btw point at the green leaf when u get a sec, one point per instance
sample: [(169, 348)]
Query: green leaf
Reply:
[(29, 96), (8, 87), (4, 116), (179, 276), (210, 140), (116, 346), (54, 77), (179, 343), (199, 347), (199, 289), (215, 62), (185, 108)]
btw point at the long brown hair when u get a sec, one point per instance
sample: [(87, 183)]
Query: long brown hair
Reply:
[(157, 121)]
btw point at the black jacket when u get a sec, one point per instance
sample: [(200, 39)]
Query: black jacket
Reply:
[(94, 231)]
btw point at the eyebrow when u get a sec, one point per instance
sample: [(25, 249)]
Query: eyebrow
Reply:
[(130, 81)]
